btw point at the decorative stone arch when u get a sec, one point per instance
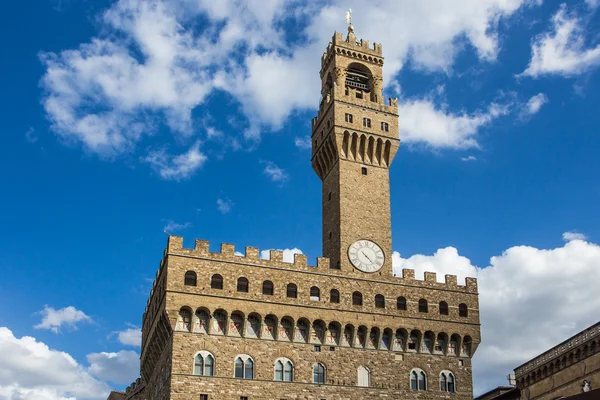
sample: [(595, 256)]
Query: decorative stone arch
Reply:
[(202, 318), (374, 337), (467, 346), (254, 325), (302, 330), (454, 345), (283, 369), (348, 336), (236, 324), (387, 340), (244, 366), (286, 329), (418, 379), (361, 337), (441, 343), (219, 322), (400, 339), (334, 331), (318, 331), (427, 342), (414, 341), (204, 364), (184, 319), (447, 381), (270, 324)]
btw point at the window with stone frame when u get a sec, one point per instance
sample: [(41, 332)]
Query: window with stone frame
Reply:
[(319, 374), (401, 303), (190, 278), (242, 285), (292, 291), (334, 296), (216, 281), (267, 288)]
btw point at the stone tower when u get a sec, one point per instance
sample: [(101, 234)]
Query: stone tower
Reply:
[(227, 325), (354, 140)]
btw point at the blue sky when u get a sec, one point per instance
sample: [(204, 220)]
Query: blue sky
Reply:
[(125, 118)]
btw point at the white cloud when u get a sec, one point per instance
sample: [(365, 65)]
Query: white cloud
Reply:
[(422, 122), (173, 226), (151, 64), (560, 303), (224, 205), (535, 103), (288, 254), (275, 173), (592, 3), (568, 236), (121, 368), (178, 167), (469, 158), (30, 370), (30, 135), (303, 142), (562, 51), (53, 319), (130, 336)]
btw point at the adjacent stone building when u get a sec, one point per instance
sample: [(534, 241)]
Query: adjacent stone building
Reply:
[(225, 326), (568, 369)]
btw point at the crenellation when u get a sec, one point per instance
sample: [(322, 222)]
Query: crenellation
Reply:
[(300, 260), (471, 284), (430, 277), (451, 281), (227, 249), (251, 253), (323, 263), (201, 247), (276, 255), (408, 273)]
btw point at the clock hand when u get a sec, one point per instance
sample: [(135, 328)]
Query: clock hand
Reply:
[(363, 253)]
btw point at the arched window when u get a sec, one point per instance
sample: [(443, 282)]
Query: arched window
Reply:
[(401, 303), (364, 376), (379, 301), (202, 320), (190, 278), (463, 311), (284, 370), (242, 285), (319, 374), (204, 364), (184, 320), (267, 288), (216, 281), (423, 306), (334, 296), (443, 308), (413, 340), (244, 367), (292, 291), (418, 379), (357, 299), (447, 381), (315, 293)]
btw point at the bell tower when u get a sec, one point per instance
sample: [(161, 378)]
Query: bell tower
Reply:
[(354, 140)]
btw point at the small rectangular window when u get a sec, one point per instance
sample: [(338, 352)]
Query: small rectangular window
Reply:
[(203, 397), (349, 118), (364, 170), (385, 127), (243, 397), (367, 122), (359, 94), (331, 348), (461, 363), (317, 348)]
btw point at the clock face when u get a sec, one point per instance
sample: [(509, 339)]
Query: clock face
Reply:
[(366, 256)]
